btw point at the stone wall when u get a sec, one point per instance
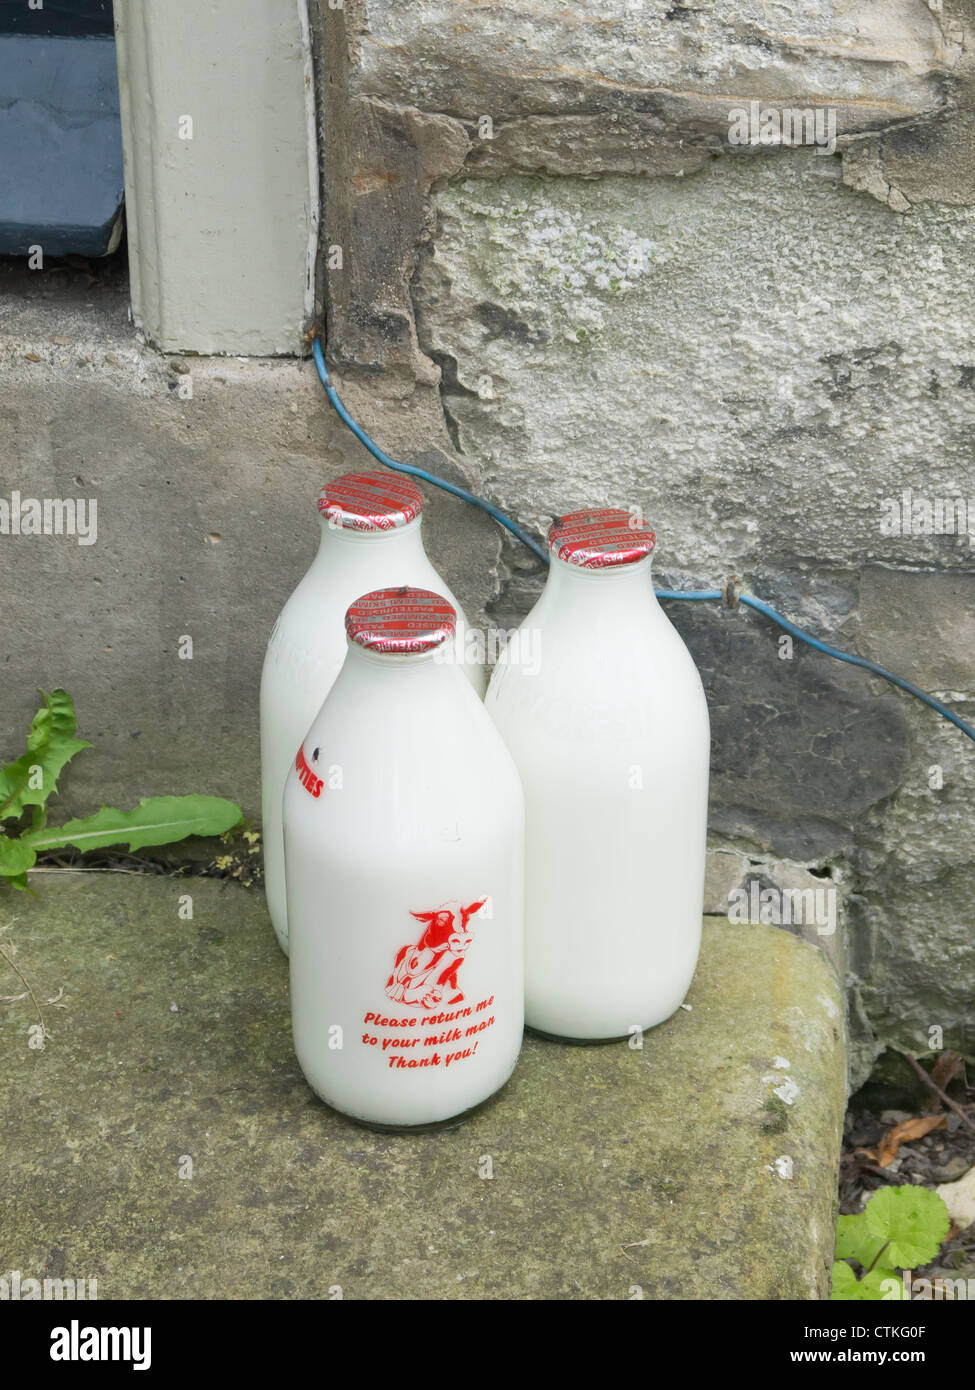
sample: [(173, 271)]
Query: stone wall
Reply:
[(554, 274)]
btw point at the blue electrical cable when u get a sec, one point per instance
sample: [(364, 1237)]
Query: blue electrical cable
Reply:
[(871, 666), (410, 468), (698, 595), (694, 595)]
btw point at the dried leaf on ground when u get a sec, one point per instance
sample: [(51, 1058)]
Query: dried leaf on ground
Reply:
[(916, 1128)]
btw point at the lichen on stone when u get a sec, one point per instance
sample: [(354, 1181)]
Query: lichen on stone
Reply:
[(527, 243)]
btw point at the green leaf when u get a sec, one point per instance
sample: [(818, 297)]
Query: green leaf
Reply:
[(50, 746), (914, 1220), (882, 1285), (16, 858), (157, 820), (878, 1285), (855, 1241), (844, 1282)]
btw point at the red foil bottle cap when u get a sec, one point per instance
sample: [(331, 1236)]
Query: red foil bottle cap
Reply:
[(370, 501), (401, 621), (600, 538)]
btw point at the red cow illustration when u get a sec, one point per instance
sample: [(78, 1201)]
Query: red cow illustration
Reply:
[(424, 970)]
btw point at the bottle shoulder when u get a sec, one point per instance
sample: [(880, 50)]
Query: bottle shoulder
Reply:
[(328, 587), (428, 729), (614, 653), (600, 687)]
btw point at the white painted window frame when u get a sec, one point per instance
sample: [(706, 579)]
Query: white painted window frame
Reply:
[(223, 210)]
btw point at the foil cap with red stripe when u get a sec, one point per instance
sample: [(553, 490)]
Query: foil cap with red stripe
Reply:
[(600, 538), (370, 501), (401, 621)]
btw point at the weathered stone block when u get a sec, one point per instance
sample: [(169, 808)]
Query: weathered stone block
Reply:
[(755, 355), (807, 900), (913, 953), (702, 1166), (529, 58), (922, 625), (800, 747)]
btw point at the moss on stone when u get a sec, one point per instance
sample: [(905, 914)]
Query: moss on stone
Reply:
[(613, 1167)]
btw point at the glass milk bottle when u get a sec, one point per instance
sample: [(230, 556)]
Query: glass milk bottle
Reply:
[(370, 536), (608, 726), (404, 845)]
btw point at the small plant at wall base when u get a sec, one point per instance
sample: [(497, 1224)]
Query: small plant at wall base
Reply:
[(26, 784), (900, 1228)]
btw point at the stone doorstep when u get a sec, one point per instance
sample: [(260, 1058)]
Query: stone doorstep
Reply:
[(702, 1167)]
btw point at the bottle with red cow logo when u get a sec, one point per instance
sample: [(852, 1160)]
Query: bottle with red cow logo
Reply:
[(608, 726), (370, 536), (404, 854)]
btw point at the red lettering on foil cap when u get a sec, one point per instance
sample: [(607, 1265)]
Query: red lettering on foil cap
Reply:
[(600, 538)]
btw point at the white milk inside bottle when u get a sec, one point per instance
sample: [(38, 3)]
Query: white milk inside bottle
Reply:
[(608, 725), (370, 537), (404, 845)]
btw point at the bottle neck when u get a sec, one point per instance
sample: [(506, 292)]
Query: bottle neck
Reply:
[(344, 543), (420, 667), (593, 592)]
